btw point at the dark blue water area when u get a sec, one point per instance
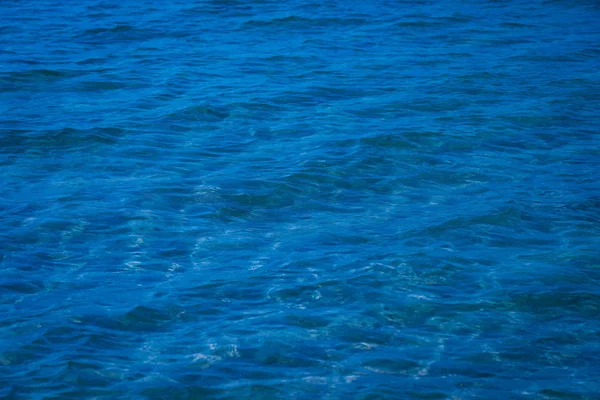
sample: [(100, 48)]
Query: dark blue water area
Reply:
[(300, 199)]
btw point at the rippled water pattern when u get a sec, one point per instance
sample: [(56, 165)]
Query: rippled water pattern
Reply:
[(290, 199)]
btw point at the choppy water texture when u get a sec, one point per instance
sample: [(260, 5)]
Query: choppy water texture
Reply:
[(340, 199)]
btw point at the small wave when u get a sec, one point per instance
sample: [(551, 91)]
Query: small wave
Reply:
[(117, 33), (68, 139), (37, 75), (116, 29), (23, 287), (290, 21), (200, 113)]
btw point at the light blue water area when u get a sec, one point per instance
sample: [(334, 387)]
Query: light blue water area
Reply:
[(299, 199)]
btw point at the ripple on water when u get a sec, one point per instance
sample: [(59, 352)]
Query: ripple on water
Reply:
[(234, 200)]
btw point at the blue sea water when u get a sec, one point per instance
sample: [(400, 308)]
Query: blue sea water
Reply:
[(300, 199)]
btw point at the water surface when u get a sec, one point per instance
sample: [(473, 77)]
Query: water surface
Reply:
[(341, 199)]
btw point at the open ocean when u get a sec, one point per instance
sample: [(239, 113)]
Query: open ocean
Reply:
[(227, 199)]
